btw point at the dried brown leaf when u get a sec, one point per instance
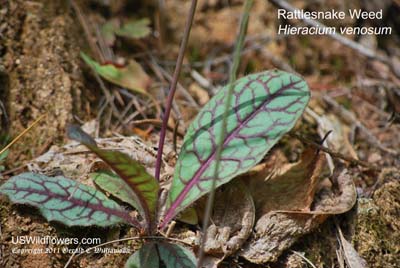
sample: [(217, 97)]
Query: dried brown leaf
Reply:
[(284, 200), (351, 256), (211, 262), (275, 232), (290, 188), (232, 219), (338, 200)]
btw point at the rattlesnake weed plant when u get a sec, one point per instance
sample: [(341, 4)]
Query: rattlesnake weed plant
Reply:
[(264, 106)]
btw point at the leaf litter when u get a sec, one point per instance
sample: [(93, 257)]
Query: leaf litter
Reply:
[(232, 219), (286, 206), (351, 256)]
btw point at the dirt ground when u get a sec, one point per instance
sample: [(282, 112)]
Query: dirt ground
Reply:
[(41, 72)]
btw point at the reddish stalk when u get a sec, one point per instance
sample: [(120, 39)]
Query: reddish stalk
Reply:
[(174, 83)]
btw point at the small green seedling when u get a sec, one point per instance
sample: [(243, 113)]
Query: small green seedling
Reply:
[(264, 107), (3, 156)]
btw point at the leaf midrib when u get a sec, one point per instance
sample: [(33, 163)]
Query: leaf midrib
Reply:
[(179, 199), (86, 204)]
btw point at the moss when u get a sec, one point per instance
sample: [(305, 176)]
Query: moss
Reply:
[(374, 225), (377, 227)]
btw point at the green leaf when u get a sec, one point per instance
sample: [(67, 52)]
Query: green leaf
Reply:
[(4, 155), (135, 29), (176, 256), (108, 31), (66, 201), (144, 186), (114, 185), (146, 256), (132, 76), (172, 256), (189, 216), (264, 107)]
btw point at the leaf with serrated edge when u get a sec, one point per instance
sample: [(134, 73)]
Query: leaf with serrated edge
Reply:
[(114, 185), (132, 172), (146, 256), (66, 201), (264, 107), (176, 256), (135, 28)]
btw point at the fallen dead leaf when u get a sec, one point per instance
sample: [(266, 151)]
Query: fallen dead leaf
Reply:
[(340, 199), (351, 256), (275, 232), (210, 262), (287, 207), (75, 161), (291, 187), (232, 219)]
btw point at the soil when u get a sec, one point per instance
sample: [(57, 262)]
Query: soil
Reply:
[(40, 58)]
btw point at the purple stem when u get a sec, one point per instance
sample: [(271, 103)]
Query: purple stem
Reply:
[(174, 82)]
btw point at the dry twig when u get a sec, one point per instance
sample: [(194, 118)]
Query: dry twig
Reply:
[(349, 117), (158, 123), (336, 154)]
